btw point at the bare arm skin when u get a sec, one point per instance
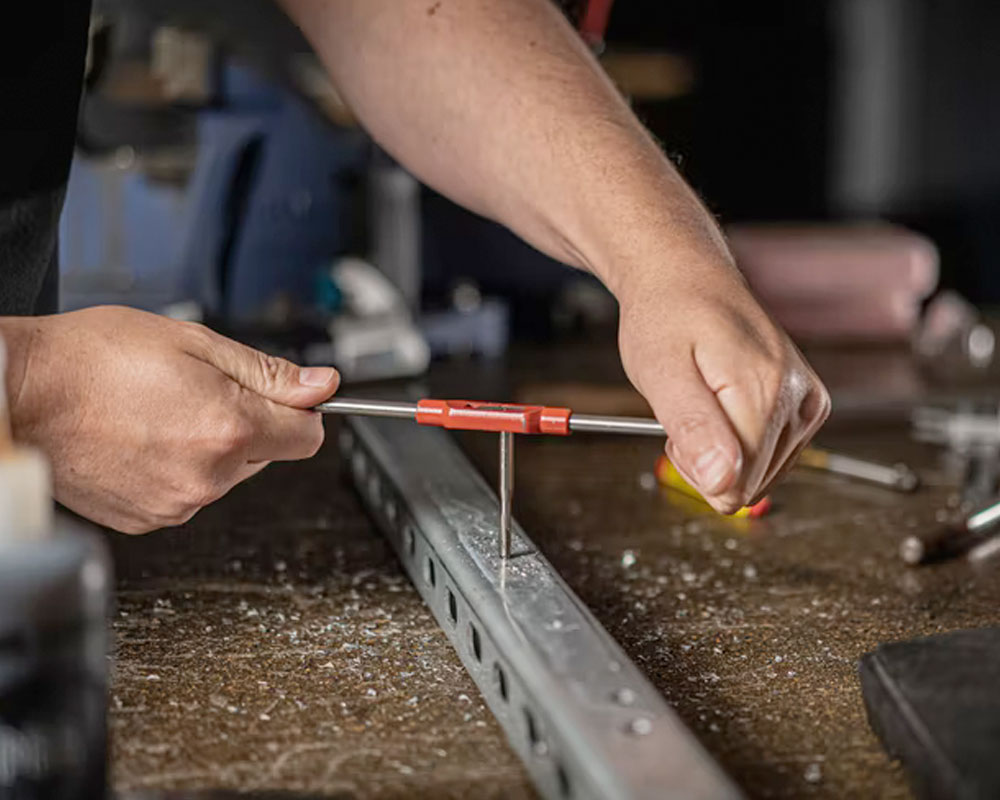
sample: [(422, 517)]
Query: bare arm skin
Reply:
[(499, 105)]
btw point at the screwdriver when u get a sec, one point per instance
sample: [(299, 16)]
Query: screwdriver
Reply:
[(896, 476), (951, 541)]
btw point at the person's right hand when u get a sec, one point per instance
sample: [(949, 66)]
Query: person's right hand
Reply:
[(146, 419)]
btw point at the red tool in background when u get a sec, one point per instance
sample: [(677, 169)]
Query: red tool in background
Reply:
[(503, 418), (594, 22)]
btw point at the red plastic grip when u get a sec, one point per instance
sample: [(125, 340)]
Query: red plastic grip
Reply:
[(469, 415)]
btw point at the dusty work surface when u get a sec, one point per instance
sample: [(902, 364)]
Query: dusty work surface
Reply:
[(274, 644)]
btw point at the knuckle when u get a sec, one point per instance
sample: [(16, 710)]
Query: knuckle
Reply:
[(193, 328), (774, 378), (271, 369), (826, 402), (799, 380), (816, 404), (193, 496), (775, 383), (232, 433), (687, 424), (197, 334), (186, 516)]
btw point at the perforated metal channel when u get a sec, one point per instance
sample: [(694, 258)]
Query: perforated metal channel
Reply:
[(620, 739)]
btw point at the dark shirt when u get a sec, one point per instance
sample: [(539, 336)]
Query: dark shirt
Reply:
[(41, 71)]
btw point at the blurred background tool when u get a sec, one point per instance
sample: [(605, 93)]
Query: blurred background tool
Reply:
[(667, 475), (372, 333), (965, 426), (970, 434), (980, 477), (952, 541), (898, 476), (953, 332)]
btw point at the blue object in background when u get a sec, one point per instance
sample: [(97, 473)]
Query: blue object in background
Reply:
[(118, 237), (267, 206)]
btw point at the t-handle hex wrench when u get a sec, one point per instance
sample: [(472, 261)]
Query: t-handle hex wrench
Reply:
[(503, 418)]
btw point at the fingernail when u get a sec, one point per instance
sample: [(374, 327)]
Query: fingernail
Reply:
[(712, 470), (316, 376)]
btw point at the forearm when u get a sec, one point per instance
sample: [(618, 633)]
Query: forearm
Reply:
[(499, 105)]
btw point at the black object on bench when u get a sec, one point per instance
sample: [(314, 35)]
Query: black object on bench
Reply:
[(935, 704)]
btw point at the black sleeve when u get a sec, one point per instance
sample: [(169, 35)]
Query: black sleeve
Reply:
[(42, 53)]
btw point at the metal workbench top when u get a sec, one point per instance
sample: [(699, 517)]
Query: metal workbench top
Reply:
[(273, 643)]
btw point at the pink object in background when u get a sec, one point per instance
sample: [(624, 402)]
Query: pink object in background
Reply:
[(838, 282)]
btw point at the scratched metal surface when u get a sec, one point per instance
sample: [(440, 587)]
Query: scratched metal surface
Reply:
[(273, 643)]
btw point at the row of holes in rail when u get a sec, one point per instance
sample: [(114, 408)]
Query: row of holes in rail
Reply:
[(444, 601)]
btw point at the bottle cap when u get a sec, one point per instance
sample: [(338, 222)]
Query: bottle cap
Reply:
[(25, 480), (25, 496)]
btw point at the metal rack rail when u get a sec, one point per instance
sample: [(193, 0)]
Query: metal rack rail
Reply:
[(580, 715)]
